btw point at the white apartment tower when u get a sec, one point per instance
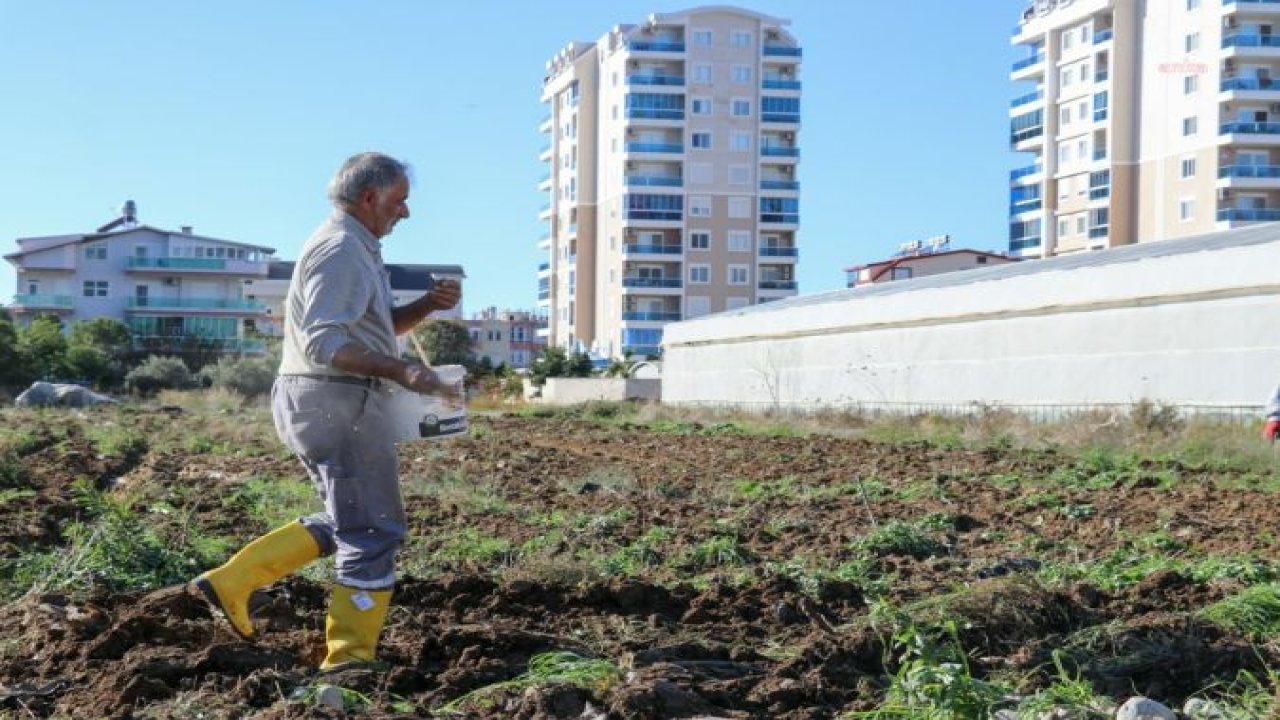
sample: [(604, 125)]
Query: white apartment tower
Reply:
[(1143, 120), (672, 184)]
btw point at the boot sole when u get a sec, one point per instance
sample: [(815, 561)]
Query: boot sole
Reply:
[(211, 597)]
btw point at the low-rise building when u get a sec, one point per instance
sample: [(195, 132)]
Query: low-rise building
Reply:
[(507, 337), (920, 259), (169, 287)]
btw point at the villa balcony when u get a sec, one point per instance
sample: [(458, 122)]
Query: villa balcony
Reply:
[(630, 249), (191, 305), (196, 266), (39, 302)]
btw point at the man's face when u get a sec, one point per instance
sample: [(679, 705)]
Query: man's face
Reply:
[(388, 206)]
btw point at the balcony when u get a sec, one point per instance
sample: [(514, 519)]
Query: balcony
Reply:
[(648, 147), (778, 285), (780, 185), (1019, 136), (1024, 172), (653, 181), (1101, 76), (634, 316), (1098, 232), (779, 151), (1250, 128), (782, 51), (1249, 214), (652, 282), (656, 80), (34, 301), (544, 268), (1099, 193), (544, 294), (778, 251), (779, 84), (1253, 4), (638, 113), (657, 215), (645, 249), (181, 342), (1029, 62), (206, 304), (1249, 83), (1025, 243), (1103, 36), (1249, 171), (664, 46), (780, 117), (1027, 99), (1247, 40), (170, 265), (780, 218), (1025, 206)]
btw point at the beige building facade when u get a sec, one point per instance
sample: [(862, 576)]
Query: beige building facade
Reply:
[(1143, 120), (673, 190), (506, 337)]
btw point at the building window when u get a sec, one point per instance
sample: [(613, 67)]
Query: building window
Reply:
[(1193, 43), (1065, 76), (740, 108), (702, 73), (703, 37), (700, 106), (1187, 209), (740, 38), (1068, 39), (1082, 110), (1189, 126), (739, 241), (95, 251), (1080, 224), (701, 140), (741, 74), (1064, 227), (697, 305), (739, 207), (1190, 84), (699, 274), (1193, 5), (95, 288), (699, 241), (699, 206), (1188, 168), (740, 141), (1064, 116), (738, 275)]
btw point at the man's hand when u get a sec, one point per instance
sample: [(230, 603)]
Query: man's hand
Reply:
[(444, 295), (422, 379), (1271, 430)]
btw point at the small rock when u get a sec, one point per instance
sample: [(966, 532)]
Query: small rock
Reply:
[(1005, 715), (1201, 709), (330, 697), (1140, 708)]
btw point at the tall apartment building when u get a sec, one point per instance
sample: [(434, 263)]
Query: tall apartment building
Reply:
[(167, 286), (672, 180), (1145, 120), (506, 337)]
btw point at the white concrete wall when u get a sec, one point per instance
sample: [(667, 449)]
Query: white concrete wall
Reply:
[(568, 391), (1188, 323)]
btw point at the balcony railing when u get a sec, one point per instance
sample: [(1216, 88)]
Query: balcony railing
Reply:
[(1251, 2), (1249, 83), (172, 263), (1024, 207), (1249, 214), (780, 117), (1025, 243), (1101, 76), (196, 303), (655, 113), (1102, 36), (644, 249), (1028, 62), (1250, 40), (654, 181), (651, 282), (645, 147), (543, 267), (644, 350), (1026, 134), (655, 46), (779, 151), (654, 79), (655, 215), (1100, 154), (544, 294), (1251, 128), (775, 251), (1027, 99), (782, 51), (785, 218), (651, 316), (779, 184), (1099, 114), (43, 300), (1027, 171), (778, 285), (779, 84), (1099, 232), (1099, 193), (1249, 171)]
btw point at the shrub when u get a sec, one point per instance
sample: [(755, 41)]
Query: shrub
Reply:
[(249, 377), (159, 373)]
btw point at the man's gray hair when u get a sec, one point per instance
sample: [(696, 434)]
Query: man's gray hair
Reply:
[(365, 171)]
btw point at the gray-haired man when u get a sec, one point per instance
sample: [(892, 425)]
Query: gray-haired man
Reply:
[(329, 405)]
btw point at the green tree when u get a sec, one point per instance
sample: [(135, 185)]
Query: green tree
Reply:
[(446, 342), (43, 349), (555, 362), (12, 373), (97, 349)]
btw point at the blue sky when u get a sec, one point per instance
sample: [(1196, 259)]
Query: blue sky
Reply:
[(230, 116)]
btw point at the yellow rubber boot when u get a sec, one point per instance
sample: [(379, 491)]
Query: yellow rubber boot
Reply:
[(257, 565), (355, 621)]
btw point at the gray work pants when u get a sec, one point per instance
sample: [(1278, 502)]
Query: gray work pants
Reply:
[(345, 440)]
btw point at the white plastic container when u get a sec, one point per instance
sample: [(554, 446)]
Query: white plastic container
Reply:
[(426, 417)]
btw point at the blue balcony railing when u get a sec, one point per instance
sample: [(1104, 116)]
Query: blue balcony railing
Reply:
[(651, 282), (778, 285), (655, 215), (782, 51), (1101, 76), (544, 294), (644, 249), (1025, 134), (1250, 40), (655, 79), (779, 151), (644, 350), (1251, 128), (1099, 232), (780, 117), (172, 263), (1249, 214), (1025, 206), (655, 46), (1099, 114), (1249, 171), (42, 300), (779, 84), (1099, 193), (1025, 243), (645, 147), (651, 316), (1251, 2), (779, 184), (774, 251), (196, 303), (1022, 172), (655, 113), (543, 267), (1027, 99), (1024, 63), (1102, 36), (654, 181), (1249, 83), (784, 218)]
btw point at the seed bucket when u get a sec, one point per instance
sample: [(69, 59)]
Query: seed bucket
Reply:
[(426, 417)]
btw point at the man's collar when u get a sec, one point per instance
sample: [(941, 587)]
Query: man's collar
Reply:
[(353, 225)]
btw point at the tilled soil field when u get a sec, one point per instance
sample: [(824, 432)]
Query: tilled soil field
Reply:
[(723, 573)]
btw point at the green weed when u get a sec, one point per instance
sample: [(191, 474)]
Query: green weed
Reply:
[(1254, 612), (559, 667)]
